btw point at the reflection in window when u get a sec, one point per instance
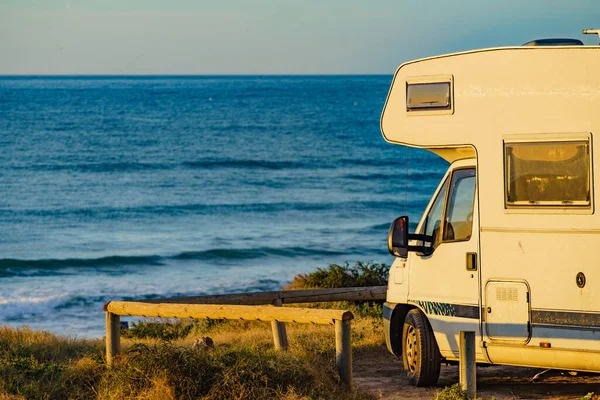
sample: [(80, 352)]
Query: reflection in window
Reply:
[(428, 96), (434, 218), (547, 173), (459, 215)]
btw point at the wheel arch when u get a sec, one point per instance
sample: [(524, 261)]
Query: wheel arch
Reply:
[(397, 315)]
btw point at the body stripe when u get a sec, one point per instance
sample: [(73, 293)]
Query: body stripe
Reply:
[(447, 309), (557, 318), (565, 318)]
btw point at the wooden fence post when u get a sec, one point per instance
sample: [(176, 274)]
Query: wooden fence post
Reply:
[(467, 365), (279, 331), (343, 351), (113, 337)]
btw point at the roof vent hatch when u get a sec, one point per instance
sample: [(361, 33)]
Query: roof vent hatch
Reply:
[(554, 42)]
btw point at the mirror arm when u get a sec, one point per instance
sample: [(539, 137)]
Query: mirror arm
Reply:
[(418, 249), (420, 237)]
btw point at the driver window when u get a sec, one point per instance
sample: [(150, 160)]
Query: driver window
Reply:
[(434, 218), (459, 214)]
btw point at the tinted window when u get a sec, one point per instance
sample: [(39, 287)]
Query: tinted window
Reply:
[(434, 218), (547, 173), (425, 96), (459, 214)]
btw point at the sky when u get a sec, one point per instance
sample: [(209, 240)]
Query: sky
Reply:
[(223, 37)]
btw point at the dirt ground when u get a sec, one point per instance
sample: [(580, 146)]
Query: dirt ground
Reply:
[(377, 371)]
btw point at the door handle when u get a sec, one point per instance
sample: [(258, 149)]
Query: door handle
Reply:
[(471, 261)]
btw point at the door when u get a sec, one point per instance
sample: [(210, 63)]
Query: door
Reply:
[(507, 311), (444, 280)]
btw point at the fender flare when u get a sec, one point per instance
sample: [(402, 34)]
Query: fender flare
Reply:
[(393, 319)]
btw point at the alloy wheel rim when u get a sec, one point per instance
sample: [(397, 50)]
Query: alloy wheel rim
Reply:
[(412, 349)]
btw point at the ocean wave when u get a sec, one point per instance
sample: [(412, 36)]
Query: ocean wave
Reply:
[(434, 176), (66, 306), (228, 163), (10, 267), (380, 227), (248, 254), (245, 164), (19, 307), (101, 167), (134, 166), (122, 213), (320, 163), (10, 263), (412, 226), (368, 162)]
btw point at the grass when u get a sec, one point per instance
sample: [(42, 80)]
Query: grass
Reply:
[(256, 372), (165, 330), (454, 392), (158, 359), (37, 364)]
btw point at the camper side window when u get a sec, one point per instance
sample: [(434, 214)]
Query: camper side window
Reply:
[(547, 174)]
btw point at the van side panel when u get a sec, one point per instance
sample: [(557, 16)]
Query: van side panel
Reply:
[(503, 94)]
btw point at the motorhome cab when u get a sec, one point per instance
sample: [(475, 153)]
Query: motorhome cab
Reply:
[(509, 245)]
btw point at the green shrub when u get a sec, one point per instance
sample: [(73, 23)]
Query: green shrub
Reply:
[(360, 274), (453, 392), (338, 276)]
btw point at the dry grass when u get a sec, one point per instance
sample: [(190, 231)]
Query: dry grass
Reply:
[(158, 359), (242, 365)]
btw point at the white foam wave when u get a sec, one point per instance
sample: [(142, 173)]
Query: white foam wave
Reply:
[(23, 307)]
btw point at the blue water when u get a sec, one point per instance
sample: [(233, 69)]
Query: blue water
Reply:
[(122, 187)]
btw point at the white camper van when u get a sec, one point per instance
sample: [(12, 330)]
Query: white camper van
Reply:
[(509, 245)]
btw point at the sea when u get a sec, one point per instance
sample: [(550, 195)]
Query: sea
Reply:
[(121, 187)]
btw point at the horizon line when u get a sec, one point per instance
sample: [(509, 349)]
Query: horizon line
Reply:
[(180, 75)]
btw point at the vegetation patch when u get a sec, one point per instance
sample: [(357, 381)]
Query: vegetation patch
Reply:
[(39, 365), (360, 274), (243, 365), (160, 361), (454, 392)]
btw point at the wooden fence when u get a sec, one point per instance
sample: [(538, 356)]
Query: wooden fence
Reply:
[(286, 296), (252, 306)]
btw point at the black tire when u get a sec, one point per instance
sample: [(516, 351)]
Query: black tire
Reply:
[(420, 352)]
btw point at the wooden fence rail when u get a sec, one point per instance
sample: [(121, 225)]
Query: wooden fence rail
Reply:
[(251, 306), (221, 311), (280, 297), (285, 296), (340, 318)]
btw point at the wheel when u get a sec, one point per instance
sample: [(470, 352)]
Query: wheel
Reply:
[(420, 352)]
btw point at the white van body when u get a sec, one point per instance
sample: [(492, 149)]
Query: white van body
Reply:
[(526, 277)]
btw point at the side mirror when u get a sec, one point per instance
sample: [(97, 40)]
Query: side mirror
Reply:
[(398, 237)]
